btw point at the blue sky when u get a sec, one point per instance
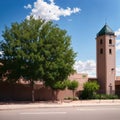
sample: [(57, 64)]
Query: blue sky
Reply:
[(81, 18)]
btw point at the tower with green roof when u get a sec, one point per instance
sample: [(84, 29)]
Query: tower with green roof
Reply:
[(106, 59)]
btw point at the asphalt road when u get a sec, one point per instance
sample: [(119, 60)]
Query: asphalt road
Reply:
[(100, 112)]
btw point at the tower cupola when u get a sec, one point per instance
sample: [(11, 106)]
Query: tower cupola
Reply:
[(106, 30)]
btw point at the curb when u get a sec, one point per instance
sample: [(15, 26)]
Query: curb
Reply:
[(59, 105)]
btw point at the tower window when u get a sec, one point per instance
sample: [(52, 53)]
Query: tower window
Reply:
[(110, 41), (101, 51), (101, 41), (110, 51)]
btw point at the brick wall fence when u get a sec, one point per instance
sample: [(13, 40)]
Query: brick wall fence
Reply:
[(22, 92), (18, 91)]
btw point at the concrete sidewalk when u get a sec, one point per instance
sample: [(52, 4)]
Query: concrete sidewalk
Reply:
[(26, 105)]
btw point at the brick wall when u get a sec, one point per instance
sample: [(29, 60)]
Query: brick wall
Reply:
[(22, 92)]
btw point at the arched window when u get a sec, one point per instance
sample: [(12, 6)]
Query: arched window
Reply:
[(101, 41), (110, 51), (101, 51), (110, 41)]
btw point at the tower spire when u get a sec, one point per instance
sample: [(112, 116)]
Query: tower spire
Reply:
[(105, 21), (106, 60)]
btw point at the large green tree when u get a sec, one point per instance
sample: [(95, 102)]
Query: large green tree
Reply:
[(36, 50)]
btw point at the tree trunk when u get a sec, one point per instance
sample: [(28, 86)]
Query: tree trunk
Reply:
[(56, 96), (73, 94), (33, 98), (33, 92), (53, 95)]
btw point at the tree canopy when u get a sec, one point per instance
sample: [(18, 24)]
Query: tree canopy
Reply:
[(36, 50), (73, 85)]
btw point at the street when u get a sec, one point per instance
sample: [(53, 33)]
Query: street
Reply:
[(96, 112)]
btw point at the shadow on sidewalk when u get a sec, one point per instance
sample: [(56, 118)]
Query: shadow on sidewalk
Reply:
[(28, 102)]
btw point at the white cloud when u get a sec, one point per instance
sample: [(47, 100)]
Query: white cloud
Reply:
[(28, 6), (1, 54), (117, 45), (118, 71), (117, 33), (88, 67), (50, 11)]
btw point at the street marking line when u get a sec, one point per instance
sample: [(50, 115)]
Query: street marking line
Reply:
[(86, 109), (93, 109), (42, 113)]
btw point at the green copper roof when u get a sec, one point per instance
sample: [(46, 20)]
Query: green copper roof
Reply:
[(106, 30)]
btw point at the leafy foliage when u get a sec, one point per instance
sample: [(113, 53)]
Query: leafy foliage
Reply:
[(72, 85), (105, 96), (37, 50), (90, 89), (59, 85)]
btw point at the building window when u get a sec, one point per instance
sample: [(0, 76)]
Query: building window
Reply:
[(101, 41), (101, 51), (110, 51), (110, 41)]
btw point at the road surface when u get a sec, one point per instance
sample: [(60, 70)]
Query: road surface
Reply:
[(96, 112)]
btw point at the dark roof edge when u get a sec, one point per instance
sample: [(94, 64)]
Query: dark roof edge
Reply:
[(106, 30)]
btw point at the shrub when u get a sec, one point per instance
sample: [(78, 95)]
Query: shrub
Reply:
[(105, 96), (71, 98), (90, 89)]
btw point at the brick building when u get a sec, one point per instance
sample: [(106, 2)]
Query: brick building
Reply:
[(106, 74)]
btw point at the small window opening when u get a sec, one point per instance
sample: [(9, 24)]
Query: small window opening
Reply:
[(101, 51), (101, 41), (110, 41), (110, 51)]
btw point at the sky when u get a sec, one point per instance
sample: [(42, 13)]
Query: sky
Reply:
[(82, 19)]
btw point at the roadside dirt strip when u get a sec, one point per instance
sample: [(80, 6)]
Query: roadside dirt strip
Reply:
[(10, 106)]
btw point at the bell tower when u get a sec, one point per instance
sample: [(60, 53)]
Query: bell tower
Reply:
[(106, 59)]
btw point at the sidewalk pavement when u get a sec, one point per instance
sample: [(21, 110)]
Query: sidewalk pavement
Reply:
[(43, 104)]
